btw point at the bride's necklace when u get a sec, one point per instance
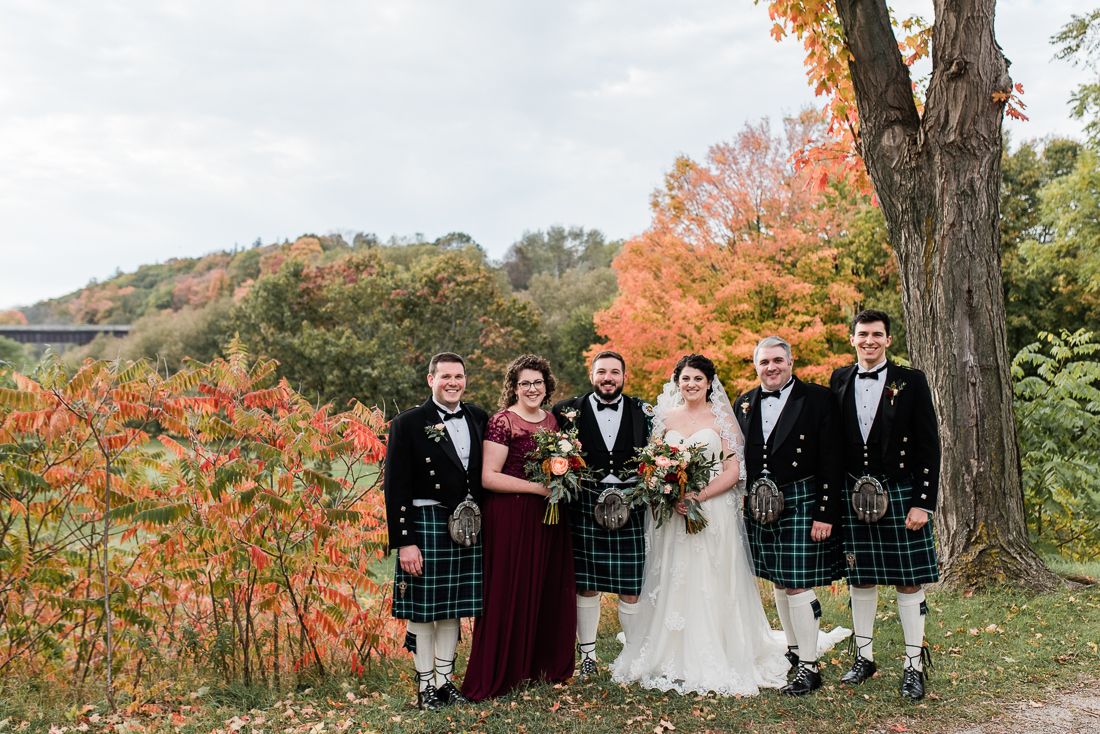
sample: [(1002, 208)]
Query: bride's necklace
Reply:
[(690, 416)]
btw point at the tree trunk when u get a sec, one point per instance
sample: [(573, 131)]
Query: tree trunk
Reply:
[(938, 180)]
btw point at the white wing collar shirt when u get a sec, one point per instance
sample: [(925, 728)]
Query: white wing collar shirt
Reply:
[(609, 419), (868, 394), (772, 407), (459, 432)]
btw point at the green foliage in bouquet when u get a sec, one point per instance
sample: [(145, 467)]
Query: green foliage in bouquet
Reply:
[(669, 473), (558, 463), (1057, 405)]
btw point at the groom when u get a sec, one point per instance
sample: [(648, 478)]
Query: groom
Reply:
[(792, 449), (433, 467), (610, 427)]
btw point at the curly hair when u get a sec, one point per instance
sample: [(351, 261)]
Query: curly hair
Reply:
[(508, 396), (699, 362)]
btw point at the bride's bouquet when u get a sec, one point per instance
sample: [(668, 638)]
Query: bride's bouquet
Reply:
[(558, 463), (669, 473)]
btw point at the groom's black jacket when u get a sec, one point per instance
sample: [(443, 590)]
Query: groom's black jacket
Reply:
[(904, 439), (633, 433), (420, 468), (805, 442)]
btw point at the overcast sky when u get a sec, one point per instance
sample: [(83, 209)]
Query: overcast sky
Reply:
[(134, 131)]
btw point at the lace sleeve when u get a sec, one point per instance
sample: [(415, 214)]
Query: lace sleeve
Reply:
[(499, 429)]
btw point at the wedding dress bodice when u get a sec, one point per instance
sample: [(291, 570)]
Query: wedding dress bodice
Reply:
[(707, 438)]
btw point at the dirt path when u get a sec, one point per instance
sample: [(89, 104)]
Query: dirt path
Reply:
[(1075, 710)]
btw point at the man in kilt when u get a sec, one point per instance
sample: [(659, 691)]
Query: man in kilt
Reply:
[(611, 426), (891, 447), (792, 444), (433, 466)]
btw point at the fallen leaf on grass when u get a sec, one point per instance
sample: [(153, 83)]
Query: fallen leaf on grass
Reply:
[(898, 727), (556, 706)]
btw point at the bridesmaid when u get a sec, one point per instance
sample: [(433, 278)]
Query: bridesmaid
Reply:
[(529, 616)]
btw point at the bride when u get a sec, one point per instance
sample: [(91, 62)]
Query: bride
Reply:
[(705, 627)]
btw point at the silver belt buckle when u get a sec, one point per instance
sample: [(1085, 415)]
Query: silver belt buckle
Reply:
[(464, 524)]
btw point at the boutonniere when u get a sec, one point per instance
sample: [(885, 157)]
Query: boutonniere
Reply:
[(745, 408), (437, 432), (571, 414), (892, 390)]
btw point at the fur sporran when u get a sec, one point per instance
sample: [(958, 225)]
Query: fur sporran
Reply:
[(869, 499), (464, 524), (765, 501), (611, 511)]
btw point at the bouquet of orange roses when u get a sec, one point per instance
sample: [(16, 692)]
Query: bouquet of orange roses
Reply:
[(669, 473), (558, 463)]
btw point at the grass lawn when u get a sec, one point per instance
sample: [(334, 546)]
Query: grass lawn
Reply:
[(989, 649)]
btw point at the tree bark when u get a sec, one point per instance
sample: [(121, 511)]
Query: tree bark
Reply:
[(937, 179)]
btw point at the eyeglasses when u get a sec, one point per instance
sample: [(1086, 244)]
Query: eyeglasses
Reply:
[(525, 386)]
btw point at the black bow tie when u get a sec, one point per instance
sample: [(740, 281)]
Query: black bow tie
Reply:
[(764, 394), (872, 375), (457, 414), (608, 406)]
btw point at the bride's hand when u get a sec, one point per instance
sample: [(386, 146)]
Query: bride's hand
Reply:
[(681, 507)]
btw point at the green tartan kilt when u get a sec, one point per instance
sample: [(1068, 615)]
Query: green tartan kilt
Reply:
[(450, 587), (783, 553), (885, 552), (611, 561)]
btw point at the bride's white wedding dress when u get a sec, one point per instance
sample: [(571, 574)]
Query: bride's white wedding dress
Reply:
[(705, 627)]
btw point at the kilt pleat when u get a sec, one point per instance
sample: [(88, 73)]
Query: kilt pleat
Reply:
[(783, 553), (610, 561), (450, 587), (885, 552)]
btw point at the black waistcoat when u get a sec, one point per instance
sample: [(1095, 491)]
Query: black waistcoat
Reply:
[(597, 456), (859, 457), (756, 449)]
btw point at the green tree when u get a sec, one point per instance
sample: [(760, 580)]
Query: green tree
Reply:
[(1057, 403), (1080, 42), (13, 354), (364, 328), (556, 251)]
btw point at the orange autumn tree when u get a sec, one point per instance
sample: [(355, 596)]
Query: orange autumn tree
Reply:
[(739, 248)]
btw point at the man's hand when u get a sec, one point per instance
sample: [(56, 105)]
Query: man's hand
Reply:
[(820, 531), (411, 560), (916, 519)]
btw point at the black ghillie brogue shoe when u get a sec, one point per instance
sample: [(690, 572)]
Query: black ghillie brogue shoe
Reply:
[(862, 669), (428, 699), (792, 657), (806, 681), (588, 669), (912, 684), (450, 695)]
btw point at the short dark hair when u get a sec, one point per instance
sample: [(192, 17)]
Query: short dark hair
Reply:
[(699, 362), (508, 396), (870, 316), (607, 354), (449, 357)]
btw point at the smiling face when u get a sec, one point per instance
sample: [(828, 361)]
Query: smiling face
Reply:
[(773, 368), (608, 378), (870, 341), (693, 385), (448, 383), (531, 389)]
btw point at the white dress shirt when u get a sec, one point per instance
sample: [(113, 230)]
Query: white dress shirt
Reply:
[(459, 433), (771, 408), (609, 422), (868, 394)]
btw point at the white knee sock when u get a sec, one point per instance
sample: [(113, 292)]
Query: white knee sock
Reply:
[(805, 623), (446, 642), (864, 608), (912, 627), (628, 618), (424, 657), (783, 608), (588, 624)]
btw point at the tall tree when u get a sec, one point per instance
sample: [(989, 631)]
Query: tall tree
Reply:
[(936, 173)]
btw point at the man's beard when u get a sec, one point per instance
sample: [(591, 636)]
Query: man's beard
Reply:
[(607, 397)]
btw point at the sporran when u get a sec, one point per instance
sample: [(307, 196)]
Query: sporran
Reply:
[(464, 524), (869, 499), (611, 510), (765, 500)]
